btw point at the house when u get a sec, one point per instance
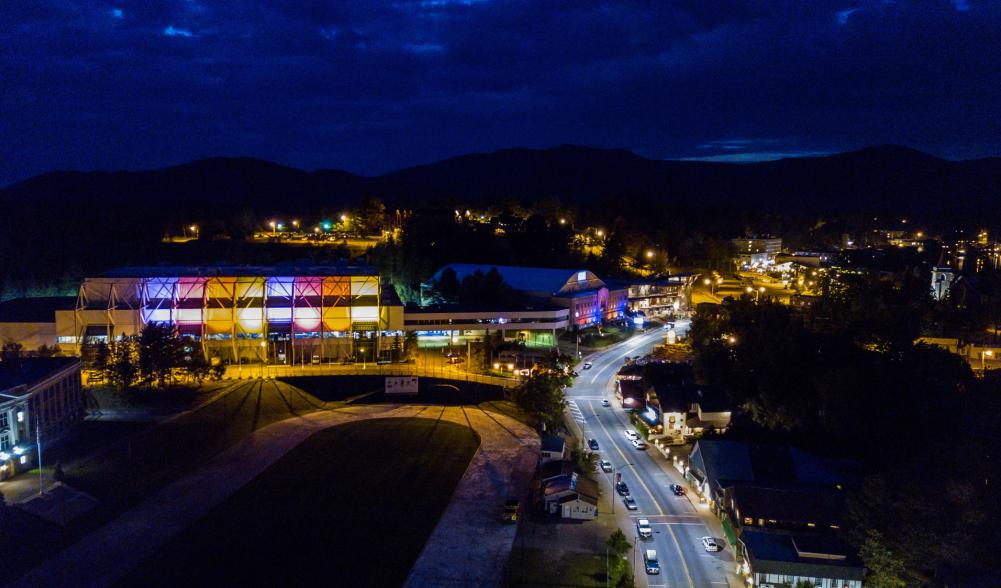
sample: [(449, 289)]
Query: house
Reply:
[(554, 469), (631, 394), (793, 509), (780, 560), (687, 409), (40, 398), (715, 466), (572, 497), (553, 448)]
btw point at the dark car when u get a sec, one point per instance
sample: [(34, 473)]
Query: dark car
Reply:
[(622, 489), (593, 444), (677, 489)]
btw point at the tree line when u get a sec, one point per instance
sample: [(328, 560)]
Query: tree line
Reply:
[(845, 378), (158, 356)]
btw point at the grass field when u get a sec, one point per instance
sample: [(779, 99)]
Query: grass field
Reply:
[(352, 506), (531, 567), (131, 470)]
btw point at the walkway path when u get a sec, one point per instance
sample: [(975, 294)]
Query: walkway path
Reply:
[(468, 531)]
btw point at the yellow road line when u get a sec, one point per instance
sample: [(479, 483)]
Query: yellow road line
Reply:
[(674, 537), (625, 460)]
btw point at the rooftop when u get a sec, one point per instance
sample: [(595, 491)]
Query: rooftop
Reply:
[(35, 310), (553, 443), (818, 556), (206, 271), (730, 462), (538, 280), (29, 371), (821, 507)]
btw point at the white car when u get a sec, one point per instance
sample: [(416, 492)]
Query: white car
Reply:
[(606, 466), (710, 544), (632, 435), (639, 444), (643, 529), (587, 365), (604, 402)]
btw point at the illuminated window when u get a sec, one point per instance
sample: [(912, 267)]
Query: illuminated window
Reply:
[(24, 459), (20, 416), (581, 276)]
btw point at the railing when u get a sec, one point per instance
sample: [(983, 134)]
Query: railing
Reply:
[(253, 371)]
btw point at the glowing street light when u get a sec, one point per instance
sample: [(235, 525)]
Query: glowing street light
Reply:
[(295, 223), (707, 281), (649, 254), (344, 218), (272, 224), (563, 221), (983, 359), (600, 233)]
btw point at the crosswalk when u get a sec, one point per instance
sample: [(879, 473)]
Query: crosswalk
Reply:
[(575, 411)]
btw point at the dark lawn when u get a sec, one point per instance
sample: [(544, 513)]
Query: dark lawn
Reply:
[(534, 567), (351, 506), (369, 390), (134, 468), (123, 469)]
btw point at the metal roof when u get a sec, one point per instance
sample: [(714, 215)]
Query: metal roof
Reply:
[(525, 279), (205, 271)]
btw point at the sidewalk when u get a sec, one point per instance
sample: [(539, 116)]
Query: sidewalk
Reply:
[(502, 466)]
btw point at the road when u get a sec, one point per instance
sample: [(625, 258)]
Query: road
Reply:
[(677, 523)]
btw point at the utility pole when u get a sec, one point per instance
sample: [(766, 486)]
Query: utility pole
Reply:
[(38, 443)]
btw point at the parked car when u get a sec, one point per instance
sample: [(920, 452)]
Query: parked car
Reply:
[(605, 402), (315, 359), (710, 544), (606, 466), (643, 529), (592, 444), (630, 502), (512, 509), (622, 489), (677, 490), (650, 561), (639, 444), (632, 435), (587, 365)]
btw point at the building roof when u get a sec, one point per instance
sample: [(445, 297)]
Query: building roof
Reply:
[(553, 443), (28, 371), (731, 462), (467, 308), (820, 506), (632, 389), (35, 310), (536, 280), (555, 469), (681, 398), (205, 271), (818, 556)]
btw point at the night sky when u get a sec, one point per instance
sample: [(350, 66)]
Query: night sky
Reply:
[(369, 86)]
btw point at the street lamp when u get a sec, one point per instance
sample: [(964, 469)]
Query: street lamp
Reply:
[(600, 233), (344, 218), (649, 254), (612, 484), (295, 224), (194, 230), (563, 221), (983, 361), (272, 224)]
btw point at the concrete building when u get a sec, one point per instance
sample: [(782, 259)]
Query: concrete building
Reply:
[(40, 397), (756, 252), (240, 314), (535, 325), (31, 321), (942, 279), (666, 296), (588, 299)]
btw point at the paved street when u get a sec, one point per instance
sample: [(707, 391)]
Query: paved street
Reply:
[(678, 524)]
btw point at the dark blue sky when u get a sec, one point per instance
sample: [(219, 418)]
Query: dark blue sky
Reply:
[(370, 86)]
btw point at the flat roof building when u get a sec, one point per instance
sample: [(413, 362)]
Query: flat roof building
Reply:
[(42, 392)]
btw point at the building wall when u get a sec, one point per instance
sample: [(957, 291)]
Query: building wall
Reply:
[(787, 581), (579, 510), (30, 335), (289, 319), (56, 404)]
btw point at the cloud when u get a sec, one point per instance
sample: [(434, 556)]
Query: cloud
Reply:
[(172, 31), (372, 86)]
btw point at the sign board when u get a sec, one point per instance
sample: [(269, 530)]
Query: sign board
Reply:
[(406, 385)]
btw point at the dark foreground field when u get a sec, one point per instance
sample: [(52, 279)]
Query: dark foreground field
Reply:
[(351, 506)]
